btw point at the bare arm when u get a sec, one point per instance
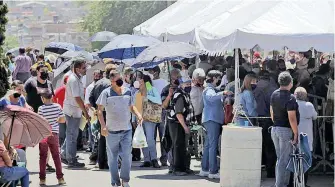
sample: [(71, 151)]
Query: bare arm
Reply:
[(166, 102), (6, 158), (61, 120), (271, 113), (293, 122), (81, 105), (134, 110), (101, 116)]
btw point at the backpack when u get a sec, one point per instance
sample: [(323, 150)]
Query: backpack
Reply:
[(228, 106)]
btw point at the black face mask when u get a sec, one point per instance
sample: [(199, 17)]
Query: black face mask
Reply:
[(16, 95), (218, 83), (44, 75), (188, 89), (119, 82), (96, 80)]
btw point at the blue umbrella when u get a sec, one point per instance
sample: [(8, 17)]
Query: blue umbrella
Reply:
[(165, 51), (126, 46), (103, 36), (62, 47)]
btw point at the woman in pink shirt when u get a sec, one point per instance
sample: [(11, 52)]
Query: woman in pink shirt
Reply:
[(10, 173)]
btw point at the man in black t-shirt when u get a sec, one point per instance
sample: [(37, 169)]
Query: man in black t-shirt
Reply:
[(285, 116), (37, 85)]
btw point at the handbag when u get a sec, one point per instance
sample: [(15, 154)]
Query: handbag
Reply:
[(152, 112)]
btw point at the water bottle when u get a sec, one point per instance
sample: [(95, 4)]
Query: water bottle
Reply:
[(246, 123)]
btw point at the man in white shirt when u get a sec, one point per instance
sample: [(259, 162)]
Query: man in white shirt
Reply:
[(158, 82), (73, 108)]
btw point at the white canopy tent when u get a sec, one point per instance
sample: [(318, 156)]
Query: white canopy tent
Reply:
[(298, 25), (174, 14)]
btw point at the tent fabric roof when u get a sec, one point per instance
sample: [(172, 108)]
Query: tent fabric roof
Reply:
[(218, 25), (299, 25)]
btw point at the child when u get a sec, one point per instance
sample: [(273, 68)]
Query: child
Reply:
[(53, 113)]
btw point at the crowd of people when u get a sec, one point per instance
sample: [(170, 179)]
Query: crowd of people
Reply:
[(121, 99)]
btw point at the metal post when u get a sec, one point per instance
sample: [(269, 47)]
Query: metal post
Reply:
[(11, 129)]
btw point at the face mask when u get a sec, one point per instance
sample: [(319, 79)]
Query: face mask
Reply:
[(44, 75), (96, 80), (16, 95), (137, 84), (253, 86), (119, 82), (218, 83), (187, 89), (178, 82)]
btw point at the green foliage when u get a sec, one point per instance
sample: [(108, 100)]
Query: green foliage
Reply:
[(4, 84), (119, 16)]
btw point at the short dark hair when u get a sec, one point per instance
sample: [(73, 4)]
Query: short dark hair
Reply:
[(203, 57), (9, 53), (46, 94), (78, 63), (41, 56), (16, 83), (156, 69), (22, 50), (40, 66), (212, 74), (264, 74), (284, 78), (271, 65)]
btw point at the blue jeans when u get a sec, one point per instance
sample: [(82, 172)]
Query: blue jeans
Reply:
[(150, 152), (281, 137), (119, 143), (69, 148), (14, 174), (161, 131), (209, 157), (62, 133)]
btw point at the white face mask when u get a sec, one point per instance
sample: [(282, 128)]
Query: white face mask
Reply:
[(137, 84)]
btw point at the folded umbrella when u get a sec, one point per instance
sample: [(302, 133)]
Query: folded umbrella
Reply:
[(23, 127), (62, 47)]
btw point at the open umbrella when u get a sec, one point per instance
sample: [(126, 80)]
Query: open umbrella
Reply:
[(103, 36), (23, 127), (156, 54), (62, 47), (126, 46), (78, 54)]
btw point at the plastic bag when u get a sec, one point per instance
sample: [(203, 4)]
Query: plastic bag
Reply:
[(139, 140)]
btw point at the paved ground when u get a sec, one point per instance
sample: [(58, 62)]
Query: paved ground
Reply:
[(139, 177)]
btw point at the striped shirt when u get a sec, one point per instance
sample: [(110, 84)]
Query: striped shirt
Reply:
[(51, 112)]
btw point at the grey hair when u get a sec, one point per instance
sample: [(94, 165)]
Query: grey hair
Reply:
[(199, 73), (301, 94), (284, 78)]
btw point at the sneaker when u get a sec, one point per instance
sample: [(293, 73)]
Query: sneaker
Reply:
[(50, 169), (42, 182), (125, 184), (146, 165), (92, 162), (64, 161), (164, 164), (155, 164), (203, 173), (180, 173), (76, 165), (214, 176), (189, 172), (61, 181)]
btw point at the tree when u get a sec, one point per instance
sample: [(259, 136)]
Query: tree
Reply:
[(4, 84), (119, 16)]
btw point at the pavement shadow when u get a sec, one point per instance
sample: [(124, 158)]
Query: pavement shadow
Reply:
[(138, 168), (34, 173), (169, 177), (81, 169)]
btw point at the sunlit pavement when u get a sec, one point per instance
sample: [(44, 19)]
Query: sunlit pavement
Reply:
[(139, 177)]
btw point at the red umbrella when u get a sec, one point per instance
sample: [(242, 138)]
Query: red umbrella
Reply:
[(23, 127)]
